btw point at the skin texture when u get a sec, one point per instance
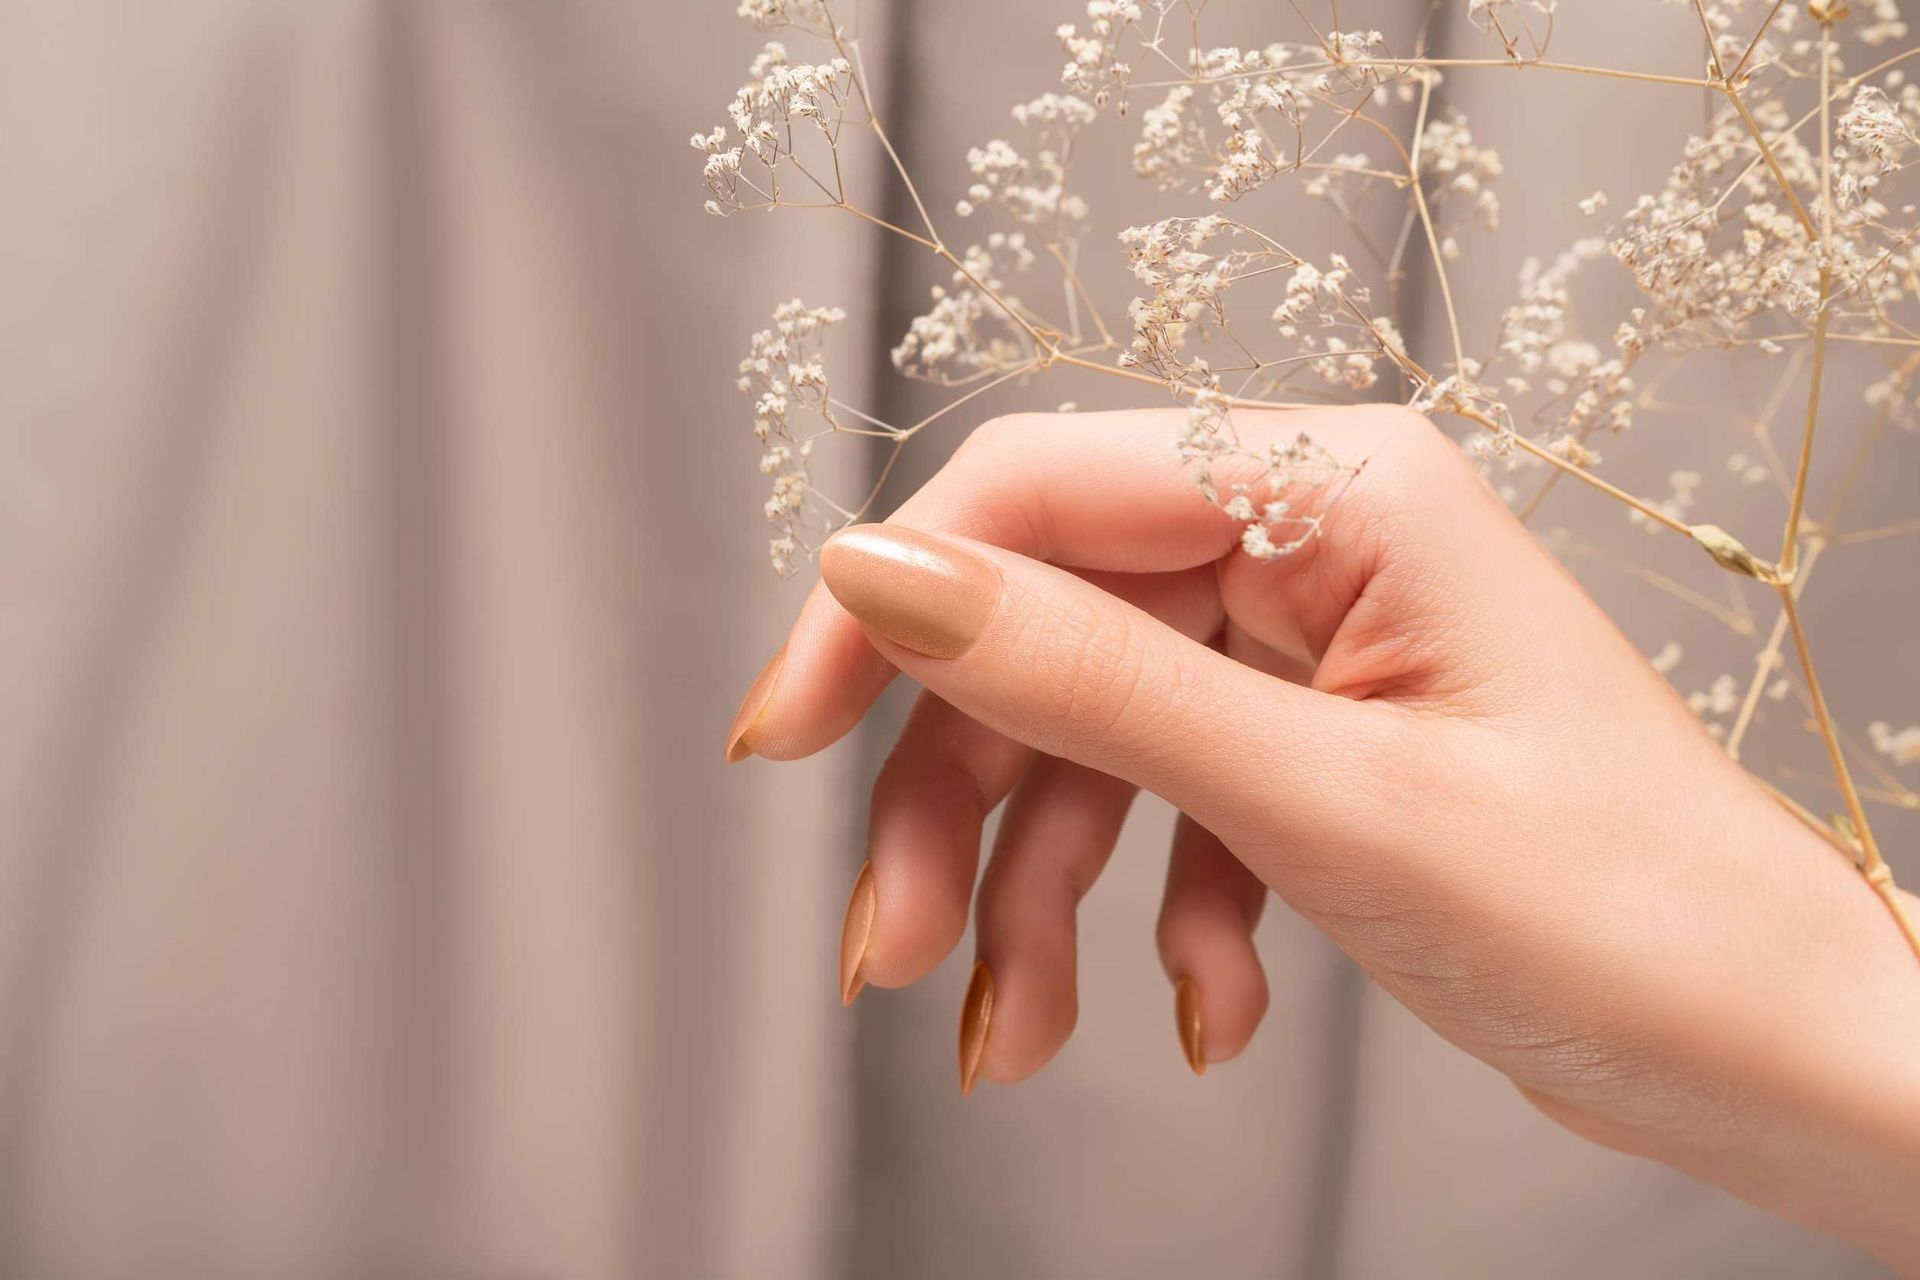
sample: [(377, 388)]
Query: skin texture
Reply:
[(1423, 736)]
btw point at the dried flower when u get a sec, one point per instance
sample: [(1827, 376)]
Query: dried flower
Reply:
[(1782, 236)]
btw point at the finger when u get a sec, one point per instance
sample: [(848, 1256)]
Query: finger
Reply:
[(1205, 935), (1095, 491), (1057, 834), (945, 775), (1072, 671), (1209, 910)]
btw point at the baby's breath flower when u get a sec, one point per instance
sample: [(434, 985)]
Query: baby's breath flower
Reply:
[(780, 98), (1902, 746), (771, 15), (970, 327), (1094, 68), (783, 373), (1456, 167), (1872, 126)]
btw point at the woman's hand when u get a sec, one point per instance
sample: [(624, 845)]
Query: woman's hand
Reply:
[(1419, 732)]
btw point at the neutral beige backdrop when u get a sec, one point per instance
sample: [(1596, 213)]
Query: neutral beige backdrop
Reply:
[(378, 570)]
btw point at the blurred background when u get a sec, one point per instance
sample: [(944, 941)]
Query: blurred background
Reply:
[(380, 565)]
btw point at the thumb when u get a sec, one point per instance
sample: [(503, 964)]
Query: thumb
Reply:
[(1053, 661)]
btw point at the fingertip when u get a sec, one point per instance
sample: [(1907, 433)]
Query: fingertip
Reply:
[(862, 905), (1220, 988), (976, 1022), (1233, 1017), (815, 690), (1187, 1023), (1027, 1021), (745, 731)]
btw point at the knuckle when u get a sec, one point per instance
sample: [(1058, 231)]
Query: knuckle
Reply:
[(996, 433)]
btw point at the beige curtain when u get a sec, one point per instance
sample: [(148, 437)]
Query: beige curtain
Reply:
[(378, 569)]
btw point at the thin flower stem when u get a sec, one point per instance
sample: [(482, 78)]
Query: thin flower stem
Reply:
[(1872, 865), (1796, 505), (1580, 473), (1741, 624), (882, 223), (1433, 237), (1896, 796), (1713, 47), (1772, 162), (1884, 531), (1543, 64), (1733, 77), (1790, 539), (850, 50), (1768, 661), (907, 433)]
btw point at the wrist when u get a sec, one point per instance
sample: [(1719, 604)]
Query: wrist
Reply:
[(1815, 1053)]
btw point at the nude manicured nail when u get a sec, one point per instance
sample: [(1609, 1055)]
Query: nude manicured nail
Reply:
[(976, 1013), (747, 718), (1186, 1016), (919, 591), (854, 934)]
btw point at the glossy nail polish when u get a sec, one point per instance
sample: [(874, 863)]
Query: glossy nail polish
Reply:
[(922, 592), (976, 1015), (854, 934), (747, 718), (1186, 1016)]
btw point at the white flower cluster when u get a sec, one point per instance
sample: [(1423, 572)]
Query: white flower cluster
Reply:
[(1882, 23), (1341, 177), (1458, 168), (1873, 127), (765, 111), (965, 332), (1252, 99), (1344, 341), (1266, 488), (1243, 117), (1902, 746), (1873, 140), (1033, 190), (772, 15), (783, 372), (1186, 283), (1094, 67), (1587, 389), (1717, 701), (1893, 393), (1707, 288), (1682, 488)]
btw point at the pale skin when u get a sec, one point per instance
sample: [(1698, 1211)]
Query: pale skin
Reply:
[(1422, 735)]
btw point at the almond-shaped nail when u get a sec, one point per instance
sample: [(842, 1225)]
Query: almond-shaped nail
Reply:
[(1186, 1015), (747, 718), (922, 592), (854, 934), (976, 1013)]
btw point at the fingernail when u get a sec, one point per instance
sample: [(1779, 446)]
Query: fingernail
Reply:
[(853, 935), (975, 1015), (747, 718), (1186, 1014), (921, 592)]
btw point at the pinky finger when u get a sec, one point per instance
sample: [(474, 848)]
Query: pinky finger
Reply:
[(1207, 916)]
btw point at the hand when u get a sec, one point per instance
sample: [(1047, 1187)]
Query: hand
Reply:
[(1419, 732)]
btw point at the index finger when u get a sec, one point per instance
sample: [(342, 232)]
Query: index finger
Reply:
[(1099, 491)]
